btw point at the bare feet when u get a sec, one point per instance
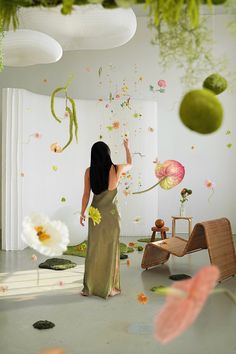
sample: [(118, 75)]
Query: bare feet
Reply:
[(83, 293), (115, 292)]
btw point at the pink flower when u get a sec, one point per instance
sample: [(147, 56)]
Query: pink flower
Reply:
[(162, 83), (117, 96), (184, 303), (170, 173), (38, 135), (209, 184)]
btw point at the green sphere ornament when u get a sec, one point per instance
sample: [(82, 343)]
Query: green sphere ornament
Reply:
[(201, 111), (216, 83)]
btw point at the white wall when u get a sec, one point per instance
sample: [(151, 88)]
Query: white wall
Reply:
[(210, 159), (33, 185)]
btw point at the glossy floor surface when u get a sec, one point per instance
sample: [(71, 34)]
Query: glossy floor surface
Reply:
[(96, 326)]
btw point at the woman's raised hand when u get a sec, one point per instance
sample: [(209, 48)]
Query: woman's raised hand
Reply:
[(126, 143)]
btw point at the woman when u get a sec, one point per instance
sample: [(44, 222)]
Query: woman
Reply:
[(102, 274)]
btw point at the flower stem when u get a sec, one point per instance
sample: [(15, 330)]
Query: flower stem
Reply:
[(147, 190), (212, 192), (227, 292)]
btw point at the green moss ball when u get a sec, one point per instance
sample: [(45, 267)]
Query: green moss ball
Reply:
[(201, 111), (216, 83)]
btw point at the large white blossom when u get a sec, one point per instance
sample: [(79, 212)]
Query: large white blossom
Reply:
[(49, 238)]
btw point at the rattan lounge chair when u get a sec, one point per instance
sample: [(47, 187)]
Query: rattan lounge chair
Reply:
[(214, 235)]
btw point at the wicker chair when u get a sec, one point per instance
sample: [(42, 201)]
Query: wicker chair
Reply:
[(214, 235)]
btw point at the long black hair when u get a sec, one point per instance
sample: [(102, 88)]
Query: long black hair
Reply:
[(100, 167)]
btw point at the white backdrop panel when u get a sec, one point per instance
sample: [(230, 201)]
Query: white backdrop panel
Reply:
[(41, 187)]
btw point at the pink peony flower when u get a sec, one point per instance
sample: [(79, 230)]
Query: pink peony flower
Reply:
[(162, 83), (184, 303), (170, 173)]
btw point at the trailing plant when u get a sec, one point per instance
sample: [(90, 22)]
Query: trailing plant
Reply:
[(189, 48), (71, 111), (182, 37)]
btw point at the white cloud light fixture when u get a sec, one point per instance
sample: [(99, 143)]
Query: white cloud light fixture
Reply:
[(27, 47), (88, 27)]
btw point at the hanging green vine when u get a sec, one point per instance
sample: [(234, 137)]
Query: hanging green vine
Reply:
[(190, 49), (182, 37), (71, 112)]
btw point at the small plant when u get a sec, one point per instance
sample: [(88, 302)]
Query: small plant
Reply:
[(184, 194)]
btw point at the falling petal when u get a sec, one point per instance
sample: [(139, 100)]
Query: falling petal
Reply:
[(151, 130), (100, 71), (116, 125), (180, 310), (142, 299), (38, 135)]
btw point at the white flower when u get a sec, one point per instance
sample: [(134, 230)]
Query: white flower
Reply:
[(49, 238)]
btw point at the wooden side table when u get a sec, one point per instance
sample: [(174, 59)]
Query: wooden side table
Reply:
[(162, 231), (188, 218)]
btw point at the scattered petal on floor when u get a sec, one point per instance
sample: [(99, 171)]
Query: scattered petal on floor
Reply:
[(142, 299)]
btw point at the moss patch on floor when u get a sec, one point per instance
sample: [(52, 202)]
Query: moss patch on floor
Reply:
[(148, 239), (80, 250)]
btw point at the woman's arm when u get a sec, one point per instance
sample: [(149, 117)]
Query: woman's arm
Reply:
[(86, 195), (125, 167)]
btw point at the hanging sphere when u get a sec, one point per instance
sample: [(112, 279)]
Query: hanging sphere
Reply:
[(201, 111), (216, 83)]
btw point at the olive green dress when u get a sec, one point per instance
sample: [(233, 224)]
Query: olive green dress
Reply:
[(102, 272)]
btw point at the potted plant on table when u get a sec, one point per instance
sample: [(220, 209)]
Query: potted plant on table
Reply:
[(184, 198)]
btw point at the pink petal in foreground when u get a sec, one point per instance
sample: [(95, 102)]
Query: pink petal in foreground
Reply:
[(179, 313)]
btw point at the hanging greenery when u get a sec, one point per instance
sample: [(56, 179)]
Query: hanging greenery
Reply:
[(187, 47), (71, 111), (181, 35)]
